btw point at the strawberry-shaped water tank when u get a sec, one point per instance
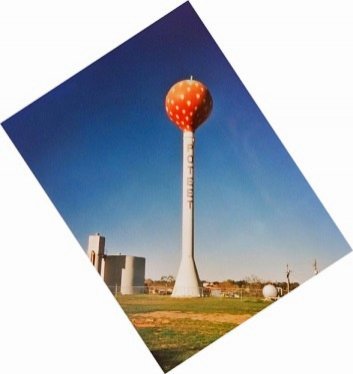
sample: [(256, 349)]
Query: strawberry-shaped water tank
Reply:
[(188, 104)]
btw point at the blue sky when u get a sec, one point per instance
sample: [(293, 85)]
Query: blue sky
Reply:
[(105, 152)]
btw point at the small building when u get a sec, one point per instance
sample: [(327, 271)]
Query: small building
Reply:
[(121, 273)]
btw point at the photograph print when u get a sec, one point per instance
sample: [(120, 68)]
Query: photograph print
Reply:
[(177, 188)]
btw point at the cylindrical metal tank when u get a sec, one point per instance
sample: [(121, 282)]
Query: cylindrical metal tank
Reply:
[(133, 276)]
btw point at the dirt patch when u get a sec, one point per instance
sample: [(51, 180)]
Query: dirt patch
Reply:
[(153, 319)]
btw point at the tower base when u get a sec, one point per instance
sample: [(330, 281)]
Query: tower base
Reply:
[(187, 282)]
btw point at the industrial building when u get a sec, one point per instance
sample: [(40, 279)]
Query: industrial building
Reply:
[(121, 273)]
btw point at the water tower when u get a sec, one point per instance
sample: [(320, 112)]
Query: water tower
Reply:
[(188, 104)]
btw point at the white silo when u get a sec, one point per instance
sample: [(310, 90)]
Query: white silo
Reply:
[(133, 275)]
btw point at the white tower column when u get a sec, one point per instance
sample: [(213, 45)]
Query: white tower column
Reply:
[(187, 282)]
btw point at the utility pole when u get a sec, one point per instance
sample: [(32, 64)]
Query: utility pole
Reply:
[(288, 272), (316, 270)]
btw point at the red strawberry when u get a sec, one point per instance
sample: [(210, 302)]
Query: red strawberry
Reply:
[(188, 103)]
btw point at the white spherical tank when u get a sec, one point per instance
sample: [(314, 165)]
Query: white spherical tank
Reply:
[(269, 291)]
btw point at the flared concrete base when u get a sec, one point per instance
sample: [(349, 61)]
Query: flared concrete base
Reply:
[(187, 282)]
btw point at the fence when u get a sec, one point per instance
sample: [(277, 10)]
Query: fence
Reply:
[(165, 290)]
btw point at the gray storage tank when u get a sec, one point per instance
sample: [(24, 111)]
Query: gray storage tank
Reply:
[(122, 273)]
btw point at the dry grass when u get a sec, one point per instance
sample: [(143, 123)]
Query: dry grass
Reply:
[(175, 329)]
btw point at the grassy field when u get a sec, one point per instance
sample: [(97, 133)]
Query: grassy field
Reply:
[(174, 329)]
